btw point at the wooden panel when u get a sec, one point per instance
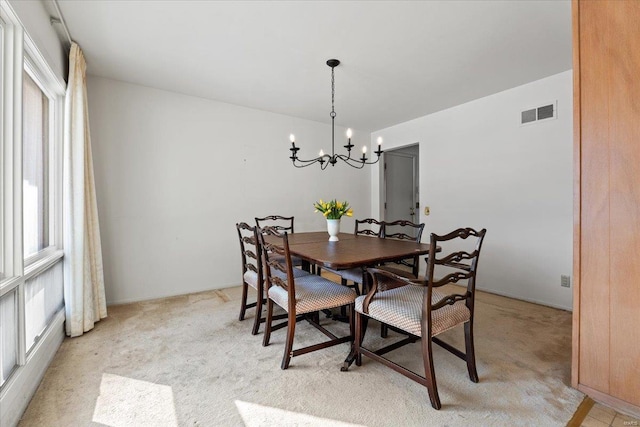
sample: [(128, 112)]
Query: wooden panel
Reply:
[(624, 131), (595, 221), (575, 336)]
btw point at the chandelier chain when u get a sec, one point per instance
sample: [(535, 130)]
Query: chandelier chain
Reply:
[(333, 91)]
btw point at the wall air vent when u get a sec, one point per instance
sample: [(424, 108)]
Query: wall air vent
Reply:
[(544, 112), (529, 116)]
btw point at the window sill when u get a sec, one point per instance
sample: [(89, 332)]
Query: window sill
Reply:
[(42, 264), (31, 270)]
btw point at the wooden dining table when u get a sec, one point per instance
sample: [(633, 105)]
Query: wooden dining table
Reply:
[(351, 251)]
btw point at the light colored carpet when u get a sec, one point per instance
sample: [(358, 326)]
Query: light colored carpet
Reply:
[(188, 361)]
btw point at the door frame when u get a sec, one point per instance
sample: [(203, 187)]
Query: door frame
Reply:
[(402, 152)]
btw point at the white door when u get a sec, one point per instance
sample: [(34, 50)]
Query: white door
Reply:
[(400, 187)]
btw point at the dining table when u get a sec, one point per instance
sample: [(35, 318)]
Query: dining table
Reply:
[(350, 251)]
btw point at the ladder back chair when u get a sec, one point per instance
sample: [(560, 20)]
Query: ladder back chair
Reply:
[(401, 230), (278, 222), (404, 230), (363, 227), (301, 297), (423, 310), (281, 224), (252, 273)]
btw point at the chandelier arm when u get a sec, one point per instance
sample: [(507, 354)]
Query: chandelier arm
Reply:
[(304, 163), (350, 161), (354, 163)]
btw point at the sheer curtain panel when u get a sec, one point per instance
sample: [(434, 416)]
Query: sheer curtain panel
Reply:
[(83, 273)]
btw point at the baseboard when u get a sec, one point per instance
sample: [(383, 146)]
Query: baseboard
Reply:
[(619, 405), (169, 295), (518, 297), (23, 384)]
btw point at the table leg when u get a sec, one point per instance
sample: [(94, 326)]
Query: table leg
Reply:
[(366, 280)]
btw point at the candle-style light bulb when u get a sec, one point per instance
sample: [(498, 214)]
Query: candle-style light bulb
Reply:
[(292, 138), (364, 150), (379, 140), (321, 153), (349, 133)]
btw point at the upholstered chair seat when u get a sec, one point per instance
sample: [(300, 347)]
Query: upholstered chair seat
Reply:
[(402, 308), (352, 274), (251, 277), (313, 293)]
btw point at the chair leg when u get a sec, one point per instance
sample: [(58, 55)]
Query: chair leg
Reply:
[(358, 338), (256, 322), (352, 324), (361, 328), (429, 373), (243, 301), (384, 330), (343, 309), (267, 326), (470, 351), (288, 347)]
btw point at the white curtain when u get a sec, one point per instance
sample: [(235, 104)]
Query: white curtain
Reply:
[(83, 273)]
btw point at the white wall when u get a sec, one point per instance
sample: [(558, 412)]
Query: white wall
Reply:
[(174, 174), (480, 168)]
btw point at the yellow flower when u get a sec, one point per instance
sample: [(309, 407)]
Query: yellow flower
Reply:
[(333, 209)]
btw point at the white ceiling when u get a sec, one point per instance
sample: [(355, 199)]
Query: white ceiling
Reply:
[(400, 60)]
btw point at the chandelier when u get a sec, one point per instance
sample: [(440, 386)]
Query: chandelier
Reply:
[(326, 159)]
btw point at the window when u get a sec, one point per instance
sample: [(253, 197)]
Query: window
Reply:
[(31, 279), (8, 335), (2, 188), (35, 167)]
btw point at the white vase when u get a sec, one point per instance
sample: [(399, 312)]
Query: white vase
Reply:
[(333, 228)]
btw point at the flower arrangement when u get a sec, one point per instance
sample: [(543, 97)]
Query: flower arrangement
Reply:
[(333, 209)]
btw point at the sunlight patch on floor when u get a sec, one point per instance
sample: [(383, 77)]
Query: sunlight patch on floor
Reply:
[(255, 415), (128, 402)]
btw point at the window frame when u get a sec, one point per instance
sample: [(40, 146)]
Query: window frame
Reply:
[(20, 53), (54, 160)]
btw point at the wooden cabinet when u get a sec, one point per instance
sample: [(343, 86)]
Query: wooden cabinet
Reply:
[(606, 323)]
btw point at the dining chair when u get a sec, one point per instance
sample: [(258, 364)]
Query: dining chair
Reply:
[(403, 230), (364, 227), (278, 222), (422, 309), (301, 297), (281, 224), (252, 273)]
